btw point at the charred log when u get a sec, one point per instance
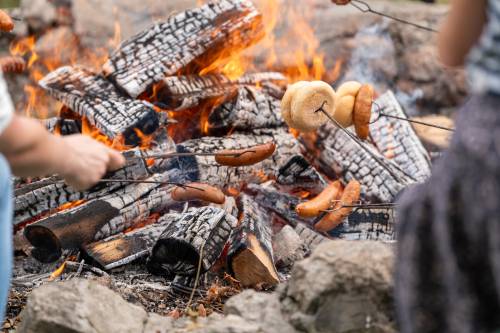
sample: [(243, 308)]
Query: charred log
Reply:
[(78, 226), (250, 256), (186, 43), (251, 109), (310, 238), (298, 173), (47, 194), (92, 96), (62, 126), (347, 158), (183, 92), (206, 170), (200, 234), (397, 140), (125, 248)]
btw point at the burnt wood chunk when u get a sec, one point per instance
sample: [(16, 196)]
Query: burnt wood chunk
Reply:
[(206, 170), (250, 255), (122, 249), (199, 234), (310, 238), (62, 126), (187, 91), (47, 194), (348, 159), (298, 173), (185, 44), (251, 109), (78, 226), (397, 140), (93, 97)]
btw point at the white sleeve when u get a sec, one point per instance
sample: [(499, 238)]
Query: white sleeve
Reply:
[(6, 106)]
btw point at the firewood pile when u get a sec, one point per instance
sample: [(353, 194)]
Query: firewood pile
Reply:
[(150, 100)]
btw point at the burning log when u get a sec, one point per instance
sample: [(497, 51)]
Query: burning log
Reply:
[(36, 198), (368, 224), (185, 44), (125, 248), (298, 173), (250, 109), (92, 96), (183, 92), (206, 170), (78, 226), (250, 256), (346, 157), (62, 126), (398, 141), (200, 234)]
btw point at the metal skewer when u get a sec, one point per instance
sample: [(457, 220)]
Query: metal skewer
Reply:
[(138, 181), (381, 114), (365, 8), (171, 155), (365, 206)]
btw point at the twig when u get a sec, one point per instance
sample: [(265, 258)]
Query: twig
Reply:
[(188, 305)]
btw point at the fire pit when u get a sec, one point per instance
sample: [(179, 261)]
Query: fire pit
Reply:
[(185, 87)]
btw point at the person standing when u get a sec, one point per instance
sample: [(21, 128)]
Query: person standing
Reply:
[(28, 149)]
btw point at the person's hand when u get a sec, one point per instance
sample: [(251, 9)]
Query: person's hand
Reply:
[(341, 2), (87, 161)]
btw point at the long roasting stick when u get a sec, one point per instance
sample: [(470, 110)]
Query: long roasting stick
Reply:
[(138, 181), (365, 8)]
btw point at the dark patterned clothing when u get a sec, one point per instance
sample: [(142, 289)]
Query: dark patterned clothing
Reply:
[(448, 269), (483, 64)]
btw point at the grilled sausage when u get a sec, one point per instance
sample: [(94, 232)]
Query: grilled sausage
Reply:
[(6, 23), (306, 103), (248, 156), (12, 64), (199, 191), (321, 202), (350, 195), (363, 111)]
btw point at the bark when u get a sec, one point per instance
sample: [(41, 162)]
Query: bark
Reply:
[(250, 255), (200, 234), (398, 141), (186, 43), (251, 109), (92, 96), (206, 170), (42, 196), (78, 226), (187, 91)]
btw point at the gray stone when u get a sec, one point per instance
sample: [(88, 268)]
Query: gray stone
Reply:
[(287, 247), (259, 308), (84, 306), (38, 14), (345, 286)]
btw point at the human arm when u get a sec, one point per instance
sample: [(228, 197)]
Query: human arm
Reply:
[(461, 30), (32, 151)]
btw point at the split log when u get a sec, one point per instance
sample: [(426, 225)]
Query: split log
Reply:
[(92, 96), (298, 173), (125, 248), (348, 159), (251, 109), (271, 198), (185, 44), (310, 238), (200, 234), (398, 141), (250, 255), (368, 224), (62, 126), (78, 226), (205, 169), (42, 196), (184, 92)]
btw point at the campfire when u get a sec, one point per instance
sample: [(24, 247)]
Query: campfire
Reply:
[(213, 172)]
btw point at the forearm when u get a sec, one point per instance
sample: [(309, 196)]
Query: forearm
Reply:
[(30, 149), (461, 30)]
